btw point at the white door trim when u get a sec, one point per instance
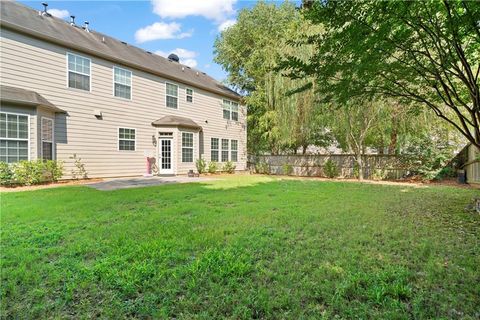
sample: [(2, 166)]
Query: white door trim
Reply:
[(172, 155)]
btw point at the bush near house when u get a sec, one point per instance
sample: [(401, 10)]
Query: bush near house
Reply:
[(212, 167), (201, 165), (229, 167), (30, 172)]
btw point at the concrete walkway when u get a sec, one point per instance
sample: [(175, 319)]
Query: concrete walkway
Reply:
[(126, 183)]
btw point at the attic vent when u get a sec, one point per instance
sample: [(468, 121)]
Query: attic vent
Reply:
[(124, 42), (173, 57), (72, 20), (149, 52), (85, 26)]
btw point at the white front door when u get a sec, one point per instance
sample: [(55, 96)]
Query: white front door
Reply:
[(165, 156)]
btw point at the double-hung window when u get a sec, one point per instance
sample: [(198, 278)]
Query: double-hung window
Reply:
[(224, 150), (230, 110), (171, 96), (226, 109), (78, 72), (214, 149), (122, 83), (187, 147), (13, 137), (126, 139), (234, 150), (47, 138), (189, 94)]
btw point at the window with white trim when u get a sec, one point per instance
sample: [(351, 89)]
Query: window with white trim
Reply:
[(13, 137), (234, 150), (224, 150), (189, 94), (122, 83), (126, 139), (171, 95), (230, 110), (214, 149), (78, 72), (47, 139), (187, 147)]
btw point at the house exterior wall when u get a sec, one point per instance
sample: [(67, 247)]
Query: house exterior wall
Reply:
[(36, 65)]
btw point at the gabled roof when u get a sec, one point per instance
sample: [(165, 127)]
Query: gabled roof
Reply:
[(175, 121), (28, 21), (26, 97)]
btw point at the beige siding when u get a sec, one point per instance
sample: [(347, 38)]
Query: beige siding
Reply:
[(36, 65)]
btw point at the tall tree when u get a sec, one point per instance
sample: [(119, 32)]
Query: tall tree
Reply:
[(425, 52), (249, 51)]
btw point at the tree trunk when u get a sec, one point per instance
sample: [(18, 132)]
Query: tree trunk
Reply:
[(360, 166), (392, 147)]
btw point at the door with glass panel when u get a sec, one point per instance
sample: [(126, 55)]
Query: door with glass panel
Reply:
[(165, 152)]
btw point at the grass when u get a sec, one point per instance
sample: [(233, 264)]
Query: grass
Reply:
[(242, 248)]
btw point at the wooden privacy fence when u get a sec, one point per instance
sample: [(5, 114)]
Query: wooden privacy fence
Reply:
[(375, 166), (472, 166)]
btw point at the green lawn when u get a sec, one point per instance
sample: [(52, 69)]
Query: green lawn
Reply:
[(242, 248)]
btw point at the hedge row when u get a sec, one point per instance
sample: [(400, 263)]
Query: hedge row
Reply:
[(30, 172)]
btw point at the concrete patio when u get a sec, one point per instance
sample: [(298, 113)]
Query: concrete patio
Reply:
[(126, 183)]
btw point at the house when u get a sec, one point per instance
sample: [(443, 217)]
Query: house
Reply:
[(66, 89)]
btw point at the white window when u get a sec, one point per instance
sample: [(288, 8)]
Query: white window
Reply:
[(171, 95), (47, 138), (226, 109), (126, 139), (234, 150), (234, 113), (78, 72), (224, 150), (214, 149), (187, 147), (230, 110), (189, 95), (13, 137), (122, 83)]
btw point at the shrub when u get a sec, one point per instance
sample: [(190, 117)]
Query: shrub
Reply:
[(30, 172), (262, 167), (212, 167), (330, 169), (6, 174), (53, 170), (379, 174), (79, 171), (201, 165), (229, 167), (287, 169)]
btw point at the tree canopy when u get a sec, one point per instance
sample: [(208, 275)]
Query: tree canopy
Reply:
[(425, 52)]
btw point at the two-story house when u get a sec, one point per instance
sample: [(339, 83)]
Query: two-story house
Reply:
[(69, 90)]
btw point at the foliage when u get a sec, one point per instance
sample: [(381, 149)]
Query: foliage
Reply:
[(201, 165), (229, 167), (249, 51), (330, 169), (418, 51), (287, 169), (379, 174), (6, 174), (366, 251), (212, 167), (262, 167), (30, 172), (53, 170), (79, 171)]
